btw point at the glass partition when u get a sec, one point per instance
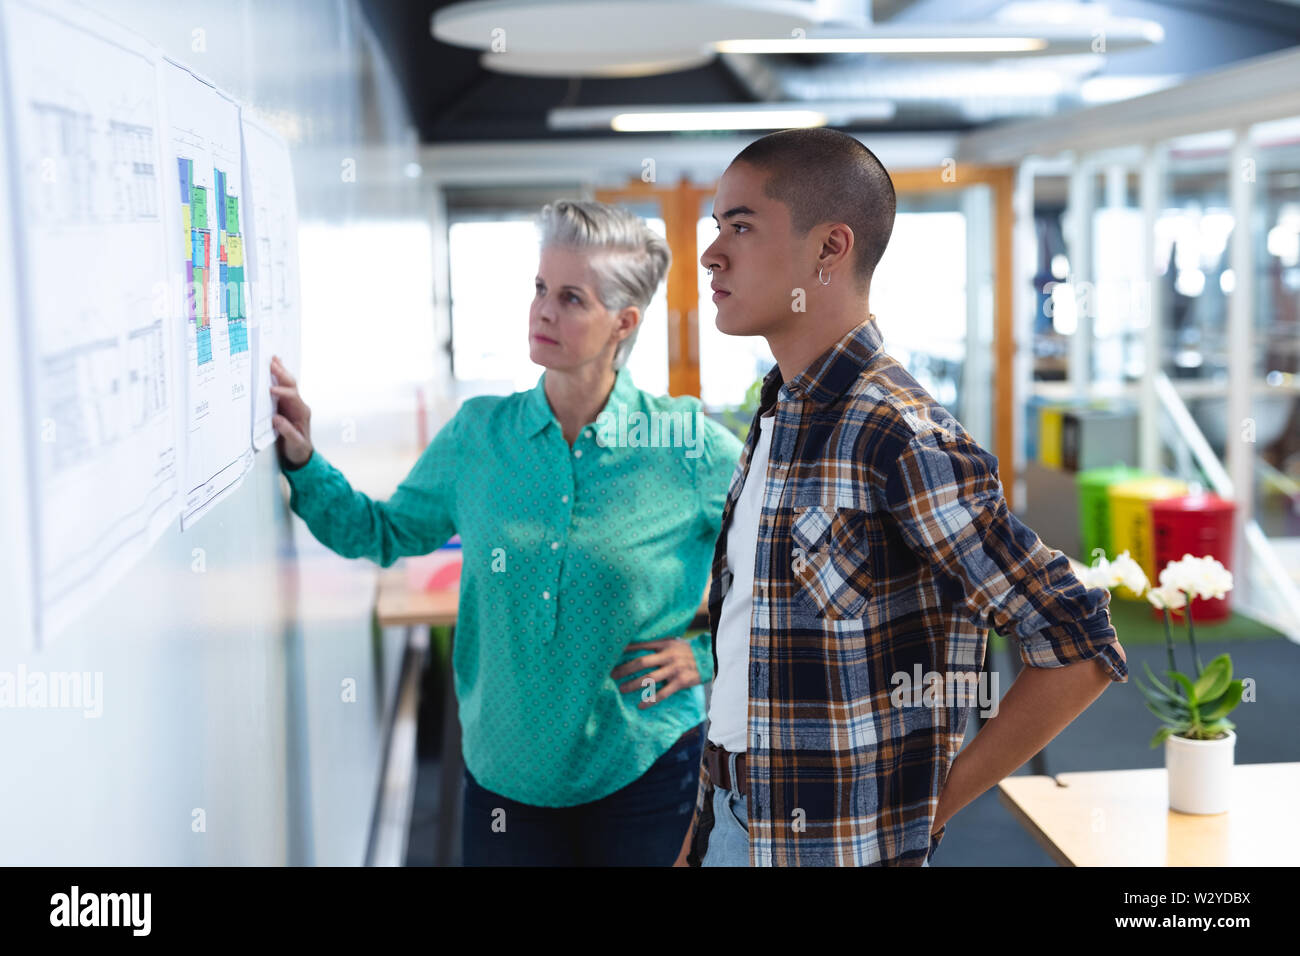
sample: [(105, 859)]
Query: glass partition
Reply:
[(1275, 403), (1205, 298), (1118, 299), (1191, 247)]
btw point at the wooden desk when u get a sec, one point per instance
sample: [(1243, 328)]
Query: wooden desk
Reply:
[(397, 605), (1122, 818)]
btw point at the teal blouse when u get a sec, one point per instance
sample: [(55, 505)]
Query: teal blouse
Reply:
[(570, 554)]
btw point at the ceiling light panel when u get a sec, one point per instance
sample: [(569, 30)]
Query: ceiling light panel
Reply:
[(614, 26)]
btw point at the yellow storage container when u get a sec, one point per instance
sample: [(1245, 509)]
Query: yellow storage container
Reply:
[(1050, 422), (1130, 521)]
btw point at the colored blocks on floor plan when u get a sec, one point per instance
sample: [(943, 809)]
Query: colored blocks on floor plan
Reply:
[(238, 336), (219, 184), (236, 294), (199, 311), (199, 207)]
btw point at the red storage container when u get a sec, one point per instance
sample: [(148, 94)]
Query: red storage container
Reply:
[(1199, 525)]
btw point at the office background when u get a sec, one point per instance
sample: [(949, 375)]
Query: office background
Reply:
[(1021, 182)]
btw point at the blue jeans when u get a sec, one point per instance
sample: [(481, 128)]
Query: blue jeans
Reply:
[(728, 840), (643, 824)]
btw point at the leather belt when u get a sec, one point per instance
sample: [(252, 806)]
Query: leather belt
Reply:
[(718, 764)]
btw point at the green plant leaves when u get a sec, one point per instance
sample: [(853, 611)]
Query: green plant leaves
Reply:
[(1152, 677), (1187, 686), (1211, 731), (1172, 714), (1214, 679), (1197, 710), (1216, 709), (1161, 734)]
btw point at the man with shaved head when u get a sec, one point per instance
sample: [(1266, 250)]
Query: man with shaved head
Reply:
[(866, 549)]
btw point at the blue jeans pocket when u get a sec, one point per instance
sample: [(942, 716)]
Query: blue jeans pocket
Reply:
[(734, 801), (729, 841)]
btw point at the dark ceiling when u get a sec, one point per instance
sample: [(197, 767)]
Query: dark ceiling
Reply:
[(453, 99)]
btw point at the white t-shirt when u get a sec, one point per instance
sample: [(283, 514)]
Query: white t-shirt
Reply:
[(729, 703)]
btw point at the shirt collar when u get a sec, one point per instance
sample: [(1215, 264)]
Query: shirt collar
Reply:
[(538, 413), (832, 372)]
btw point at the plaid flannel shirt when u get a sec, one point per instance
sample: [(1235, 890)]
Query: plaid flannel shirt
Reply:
[(885, 548)]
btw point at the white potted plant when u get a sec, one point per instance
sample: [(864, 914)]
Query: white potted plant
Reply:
[(1198, 737)]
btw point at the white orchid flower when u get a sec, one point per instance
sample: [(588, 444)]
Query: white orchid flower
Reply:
[(1178, 574), (1097, 576), (1166, 598), (1212, 579), (1202, 577), (1124, 570)]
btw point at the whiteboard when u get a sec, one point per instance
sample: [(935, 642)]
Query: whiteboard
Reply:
[(222, 648), (98, 388), (15, 544)]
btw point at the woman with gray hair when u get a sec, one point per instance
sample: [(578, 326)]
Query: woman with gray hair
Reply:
[(588, 511)]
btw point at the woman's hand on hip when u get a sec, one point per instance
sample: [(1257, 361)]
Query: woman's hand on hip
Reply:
[(672, 663)]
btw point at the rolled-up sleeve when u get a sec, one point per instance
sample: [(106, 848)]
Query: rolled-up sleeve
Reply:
[(943, 491)]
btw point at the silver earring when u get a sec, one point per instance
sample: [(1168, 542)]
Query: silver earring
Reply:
[(819, 277)]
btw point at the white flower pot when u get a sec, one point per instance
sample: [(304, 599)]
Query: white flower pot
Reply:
[(1200, 773)]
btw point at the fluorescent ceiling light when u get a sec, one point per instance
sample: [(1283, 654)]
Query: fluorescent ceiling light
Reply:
[(985, 38), (720, 116), (634, 27), (1108, 89), (722, 119), (885, 45), (648, 30), (594, 64)]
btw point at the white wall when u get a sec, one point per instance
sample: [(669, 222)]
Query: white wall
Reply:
[(221, 689)]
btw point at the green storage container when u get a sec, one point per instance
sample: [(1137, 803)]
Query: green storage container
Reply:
[(1094, 507)]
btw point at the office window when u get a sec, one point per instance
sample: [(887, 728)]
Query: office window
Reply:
[(493, 269), (729, 364), (918, 297), (367, 313)]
